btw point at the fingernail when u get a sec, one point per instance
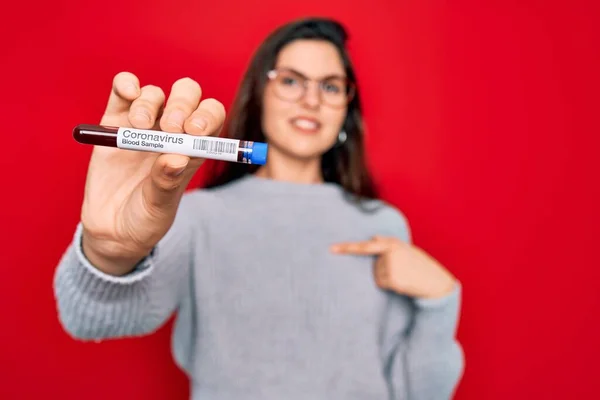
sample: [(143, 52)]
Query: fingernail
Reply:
[(176, 118), (200, 123)]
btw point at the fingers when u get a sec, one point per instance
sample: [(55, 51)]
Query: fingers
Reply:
[(172, 172), (377, 245), (381, 274), (208, 119), (125, 89), (183, 101), (145, 110), (183, 111)]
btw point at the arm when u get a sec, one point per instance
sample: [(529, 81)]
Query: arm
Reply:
[(95, 305), (426, 362), (421, 357)]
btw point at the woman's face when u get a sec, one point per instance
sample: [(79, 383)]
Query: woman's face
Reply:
[(305, 100)]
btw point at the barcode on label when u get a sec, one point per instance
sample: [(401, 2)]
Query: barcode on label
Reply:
[(212, 146)]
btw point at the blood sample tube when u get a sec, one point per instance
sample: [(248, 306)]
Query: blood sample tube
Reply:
[(210, 147)]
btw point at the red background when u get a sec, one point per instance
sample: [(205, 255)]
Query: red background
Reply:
[(482, 127)]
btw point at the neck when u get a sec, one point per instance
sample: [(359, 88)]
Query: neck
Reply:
[(284, 168)]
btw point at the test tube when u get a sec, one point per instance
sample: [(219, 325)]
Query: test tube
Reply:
[(210, 147)]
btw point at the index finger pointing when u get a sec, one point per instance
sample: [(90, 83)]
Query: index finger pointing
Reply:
[(369, 247), (125, 89)]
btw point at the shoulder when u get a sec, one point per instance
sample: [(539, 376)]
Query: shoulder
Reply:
[(387, 219)]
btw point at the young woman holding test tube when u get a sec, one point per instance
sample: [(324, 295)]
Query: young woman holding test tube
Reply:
[(290, 280)]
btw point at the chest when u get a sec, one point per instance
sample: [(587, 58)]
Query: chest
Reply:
[(283, 274)]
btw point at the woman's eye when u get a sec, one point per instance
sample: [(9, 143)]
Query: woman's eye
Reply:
[(288, 81), (332, 88)]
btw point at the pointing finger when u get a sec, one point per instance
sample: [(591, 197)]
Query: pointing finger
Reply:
[(368, 247)]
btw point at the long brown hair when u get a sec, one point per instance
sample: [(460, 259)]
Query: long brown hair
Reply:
[(343, 164)]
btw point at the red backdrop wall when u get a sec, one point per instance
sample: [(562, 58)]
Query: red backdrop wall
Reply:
[(481, 128)]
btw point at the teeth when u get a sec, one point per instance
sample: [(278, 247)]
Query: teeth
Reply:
[(305, 124)]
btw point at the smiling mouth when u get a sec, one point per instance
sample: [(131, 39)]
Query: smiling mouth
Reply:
[(307, 125)]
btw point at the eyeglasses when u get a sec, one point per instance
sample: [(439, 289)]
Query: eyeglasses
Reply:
[(290, 85)]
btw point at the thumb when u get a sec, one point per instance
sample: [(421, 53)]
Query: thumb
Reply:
[(168, 179)]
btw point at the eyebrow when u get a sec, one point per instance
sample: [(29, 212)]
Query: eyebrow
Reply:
[(331, 76)]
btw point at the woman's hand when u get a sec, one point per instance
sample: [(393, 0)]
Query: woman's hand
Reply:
[(131, 197), (402, 268)]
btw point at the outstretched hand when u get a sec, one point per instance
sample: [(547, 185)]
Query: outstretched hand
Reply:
[(131, 198), (402, 267)]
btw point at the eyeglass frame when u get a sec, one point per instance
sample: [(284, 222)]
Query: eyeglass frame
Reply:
[(350, 85)]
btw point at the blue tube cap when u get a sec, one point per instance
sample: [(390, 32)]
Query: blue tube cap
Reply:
[(259, 153)]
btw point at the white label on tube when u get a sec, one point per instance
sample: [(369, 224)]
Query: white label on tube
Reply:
[(178, 143)]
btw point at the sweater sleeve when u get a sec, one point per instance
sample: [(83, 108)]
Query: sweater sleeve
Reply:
[(425, 360), (93, 305)]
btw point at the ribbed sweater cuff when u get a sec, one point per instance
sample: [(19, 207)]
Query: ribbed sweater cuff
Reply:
[(451, 299), (89, 280), (437, 318)]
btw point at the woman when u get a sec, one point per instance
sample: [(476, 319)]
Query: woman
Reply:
[(290, 281)]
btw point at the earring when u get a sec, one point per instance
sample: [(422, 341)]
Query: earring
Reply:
[(342, 136)]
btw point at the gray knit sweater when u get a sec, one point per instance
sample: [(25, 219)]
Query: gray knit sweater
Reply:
[(264, 310)]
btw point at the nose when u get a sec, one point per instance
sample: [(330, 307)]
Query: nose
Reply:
[(312, 95)]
